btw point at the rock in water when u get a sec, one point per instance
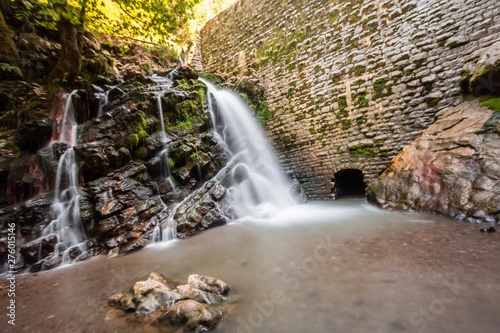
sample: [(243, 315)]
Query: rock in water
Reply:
[(188, 306), (195, 316), (188, 292), (209, 284), (488, 230)]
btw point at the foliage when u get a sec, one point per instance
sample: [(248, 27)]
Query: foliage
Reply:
[(153, 21), (6, 68), (263, 113), (202, 12)]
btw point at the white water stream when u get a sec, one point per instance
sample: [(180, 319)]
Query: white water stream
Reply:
[(258, 184), (66, 205)]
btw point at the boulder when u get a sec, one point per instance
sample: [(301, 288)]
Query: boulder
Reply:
[(165, 301), (451, 169)]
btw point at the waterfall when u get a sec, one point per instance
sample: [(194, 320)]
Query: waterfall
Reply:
[(258, 185), (164, 85), (66, 205)]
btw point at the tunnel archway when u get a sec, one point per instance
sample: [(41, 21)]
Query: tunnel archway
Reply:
[(349, 183)]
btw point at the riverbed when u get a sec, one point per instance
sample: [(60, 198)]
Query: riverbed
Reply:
[(342, 266)]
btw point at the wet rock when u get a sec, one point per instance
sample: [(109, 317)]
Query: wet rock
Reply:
[(107, 204), (96, 158), (188, 292), (134, 245), (38, 249), (171, 284), (51, 262), (488, 230), (153, 294), (205, 208), (122, 301), (33, 135), (209, 284), (115, 93), (193, 315), (31, 216), (163, 300)]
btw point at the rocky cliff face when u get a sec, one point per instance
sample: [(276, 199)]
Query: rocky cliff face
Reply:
[(131, 178), (453, 168)]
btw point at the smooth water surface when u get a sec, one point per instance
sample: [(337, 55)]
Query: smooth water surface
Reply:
[(343, 266)]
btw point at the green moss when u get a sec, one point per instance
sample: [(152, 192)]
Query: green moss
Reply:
[(263, 113), (379, 86), (345, 124), (171, 163), (360, 121), (131, 141), (141, 153), (432, 101), (362, 101), (408, 71), (342, 101), (363, 149), (212, 78), (359, 70), (333, 16), (492, 103)]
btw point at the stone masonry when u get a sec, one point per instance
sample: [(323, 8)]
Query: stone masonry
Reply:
[(349, 83)]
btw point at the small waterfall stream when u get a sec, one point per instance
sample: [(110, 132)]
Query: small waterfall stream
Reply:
[(66, 205), (164, 85)]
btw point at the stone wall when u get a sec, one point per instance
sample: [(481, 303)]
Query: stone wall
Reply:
[(349, 83)]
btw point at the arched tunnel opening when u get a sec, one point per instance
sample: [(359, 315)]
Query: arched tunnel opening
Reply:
[(349, 183)]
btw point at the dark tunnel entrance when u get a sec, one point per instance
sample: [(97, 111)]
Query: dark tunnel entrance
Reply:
[(348, 183)]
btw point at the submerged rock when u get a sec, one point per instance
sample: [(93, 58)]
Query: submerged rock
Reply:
[(163, 300)]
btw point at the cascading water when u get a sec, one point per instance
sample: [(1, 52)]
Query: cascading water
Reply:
[(258, 185), (163, 85), (66, 205)]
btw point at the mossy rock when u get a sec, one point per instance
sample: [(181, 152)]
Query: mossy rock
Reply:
[(492, 103), (485, 81)]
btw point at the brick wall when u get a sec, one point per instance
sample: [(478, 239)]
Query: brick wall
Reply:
[(350, 83)]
